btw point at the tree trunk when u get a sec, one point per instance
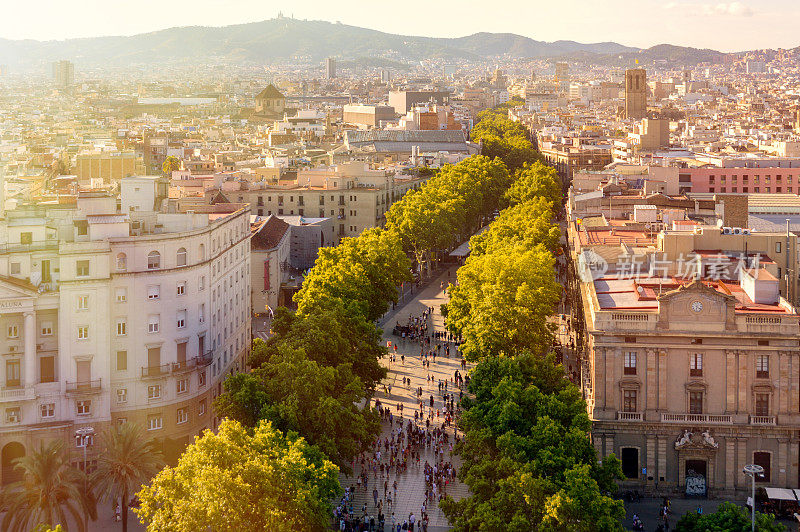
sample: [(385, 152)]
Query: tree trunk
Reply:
[(124, 511)]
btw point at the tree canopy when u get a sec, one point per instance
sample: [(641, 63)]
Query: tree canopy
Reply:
[(330, 336), (526, 457), (502, 301), (729, 517), (535, 181), (504, 138), (362, 273), (449, 207), (318, 401), (241, 480)]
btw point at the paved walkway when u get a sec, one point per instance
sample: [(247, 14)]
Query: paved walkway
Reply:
[(411, 484)]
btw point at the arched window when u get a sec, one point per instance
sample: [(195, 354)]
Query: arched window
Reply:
[(122, 262), (202, 252), (181, 256), (153, 260)]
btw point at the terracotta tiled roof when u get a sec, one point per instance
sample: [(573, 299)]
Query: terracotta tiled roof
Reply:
[(270, 234), (269, 93)]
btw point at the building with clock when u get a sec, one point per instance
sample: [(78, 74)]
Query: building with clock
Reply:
[(687, 380)]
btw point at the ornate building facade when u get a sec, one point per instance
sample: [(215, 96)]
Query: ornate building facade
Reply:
[(109, 316)]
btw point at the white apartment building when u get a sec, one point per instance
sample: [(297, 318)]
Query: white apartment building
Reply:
[(110, 315)]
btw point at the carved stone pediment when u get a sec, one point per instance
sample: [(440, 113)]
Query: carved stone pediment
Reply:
[(696, 441)]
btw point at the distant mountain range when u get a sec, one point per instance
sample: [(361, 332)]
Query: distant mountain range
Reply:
[(282, 39)]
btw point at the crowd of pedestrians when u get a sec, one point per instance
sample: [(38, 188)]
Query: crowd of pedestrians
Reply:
[(417, 440)]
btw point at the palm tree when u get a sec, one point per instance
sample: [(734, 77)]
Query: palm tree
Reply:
[(50, 491), (129, 460)]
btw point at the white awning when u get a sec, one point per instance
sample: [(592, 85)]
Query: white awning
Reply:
[(780, 494)]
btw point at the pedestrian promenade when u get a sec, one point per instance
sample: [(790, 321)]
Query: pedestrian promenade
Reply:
[(411, 484)]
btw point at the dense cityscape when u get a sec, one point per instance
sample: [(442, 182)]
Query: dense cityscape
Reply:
[(368, 282)]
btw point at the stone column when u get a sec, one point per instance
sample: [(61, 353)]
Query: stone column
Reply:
[(730, 463), (662, 381), (599, 377), (597, 441), (731, 382), (651, 391), (744, 382), (651, 460), (611, 358), (792, 384), (29, 330), (741, 461), (662, 459), (783, 383), (610, 444), (782, 462), (791, 469)]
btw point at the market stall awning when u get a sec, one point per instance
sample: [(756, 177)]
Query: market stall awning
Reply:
[(780, 494)]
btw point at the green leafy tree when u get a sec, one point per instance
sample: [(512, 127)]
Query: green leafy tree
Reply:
[(298, 394), (329, 335), (362, 272), (535, 181), (502, 301), (425, 220), (516, 152), (170, 164), (129, 459), (529, 224), (728, 517), (526, 456), (50, 491), (237, 480)]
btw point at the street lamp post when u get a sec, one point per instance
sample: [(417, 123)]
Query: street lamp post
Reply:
[(84, 437), (753, 470)]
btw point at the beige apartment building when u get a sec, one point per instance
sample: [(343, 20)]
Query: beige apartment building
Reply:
[(687, 380), (111, 314), (353, 194), (110, 166)]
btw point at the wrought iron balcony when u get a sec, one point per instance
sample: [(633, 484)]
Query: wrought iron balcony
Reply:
[(91, 386), (156, 371)]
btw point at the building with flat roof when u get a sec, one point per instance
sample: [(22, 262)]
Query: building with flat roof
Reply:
[(403, 101), (108, 166), (367, 115), (353, 195), (687, 381)]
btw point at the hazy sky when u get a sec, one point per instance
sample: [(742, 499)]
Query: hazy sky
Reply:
[(722, 25)]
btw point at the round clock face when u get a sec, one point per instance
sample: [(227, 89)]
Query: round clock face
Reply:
[(697, 306)]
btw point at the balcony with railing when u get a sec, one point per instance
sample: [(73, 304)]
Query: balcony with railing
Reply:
[(708, 419), (629, 416), (27, 247), (199, 361), (205, 359), (763, 420), (17, 393), (84, 387), (184, 366), (154, 372)]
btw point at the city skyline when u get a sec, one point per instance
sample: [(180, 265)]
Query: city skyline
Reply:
[(725, 26)]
